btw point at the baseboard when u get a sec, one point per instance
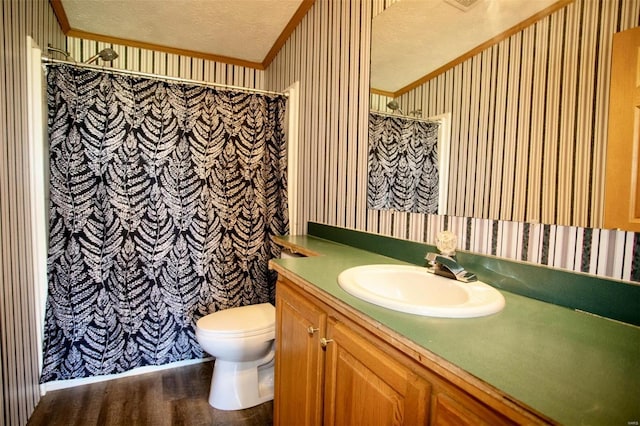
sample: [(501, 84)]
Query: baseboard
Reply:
[(63, 384)]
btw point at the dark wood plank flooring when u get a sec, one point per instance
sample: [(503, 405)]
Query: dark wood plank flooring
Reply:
[(177, 396)]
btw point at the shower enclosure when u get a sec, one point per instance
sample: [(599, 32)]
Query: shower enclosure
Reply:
[(164, 198)]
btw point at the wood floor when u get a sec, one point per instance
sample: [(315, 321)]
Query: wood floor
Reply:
[(170, 397)]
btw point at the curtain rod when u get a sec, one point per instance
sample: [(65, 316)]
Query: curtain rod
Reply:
[(47, 61), (388, 114)]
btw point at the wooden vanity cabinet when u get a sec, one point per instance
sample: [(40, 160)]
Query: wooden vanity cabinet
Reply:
[(326, 373), (332, 370)]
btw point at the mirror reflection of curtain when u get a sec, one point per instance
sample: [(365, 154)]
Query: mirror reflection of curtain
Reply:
[(403, 164), (164, 199)]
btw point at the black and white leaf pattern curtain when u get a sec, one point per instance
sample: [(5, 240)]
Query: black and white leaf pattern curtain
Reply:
[(403, 164), (164, 198)]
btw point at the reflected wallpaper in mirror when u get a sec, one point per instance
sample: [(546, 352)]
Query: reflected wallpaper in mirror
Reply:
[(528, 119)]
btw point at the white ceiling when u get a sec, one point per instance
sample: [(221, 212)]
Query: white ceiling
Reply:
[(412, 38), (240, 29)]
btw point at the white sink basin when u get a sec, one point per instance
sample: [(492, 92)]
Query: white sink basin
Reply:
[(413, 290)]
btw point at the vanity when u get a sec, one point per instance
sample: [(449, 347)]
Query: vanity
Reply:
[(341, 360)]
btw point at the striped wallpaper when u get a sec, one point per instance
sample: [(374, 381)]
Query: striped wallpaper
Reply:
[(529, 123), (329, 54), (19, 347)]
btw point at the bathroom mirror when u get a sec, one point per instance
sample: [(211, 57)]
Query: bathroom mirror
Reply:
[(523, 155)]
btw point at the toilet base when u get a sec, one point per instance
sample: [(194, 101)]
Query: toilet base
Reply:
[(240, 385)]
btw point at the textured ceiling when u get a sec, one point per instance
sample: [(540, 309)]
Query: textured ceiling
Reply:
[(241, 29), (410, 39), (413, 38)]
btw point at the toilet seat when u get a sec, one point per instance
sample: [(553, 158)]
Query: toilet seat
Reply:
[(243, 321)]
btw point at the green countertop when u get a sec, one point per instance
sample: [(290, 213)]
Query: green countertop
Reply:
[(575, 368)]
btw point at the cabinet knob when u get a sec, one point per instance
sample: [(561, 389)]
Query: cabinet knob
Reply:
[(324, 342), (312, 330)]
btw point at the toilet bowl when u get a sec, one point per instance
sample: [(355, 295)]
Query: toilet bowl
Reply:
[(242, 342)]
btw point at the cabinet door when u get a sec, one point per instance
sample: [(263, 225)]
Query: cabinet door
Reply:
[(459, 410), (622, 185), (366, 386), (299, 359)]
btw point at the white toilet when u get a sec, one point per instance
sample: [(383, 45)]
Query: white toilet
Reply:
[(242, 341)]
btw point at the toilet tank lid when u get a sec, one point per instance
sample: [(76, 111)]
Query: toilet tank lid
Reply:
[(240, 319)]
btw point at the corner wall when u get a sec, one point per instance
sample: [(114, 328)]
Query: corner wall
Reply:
[(329, 54), (19, 355)]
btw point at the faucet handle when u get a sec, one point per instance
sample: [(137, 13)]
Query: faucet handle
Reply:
[(446, 242)]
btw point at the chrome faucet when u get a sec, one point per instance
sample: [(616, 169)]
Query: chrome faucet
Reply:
[(447, 266)]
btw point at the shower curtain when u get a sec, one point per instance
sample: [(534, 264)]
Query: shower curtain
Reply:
[(163, 201), (403, 164)]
